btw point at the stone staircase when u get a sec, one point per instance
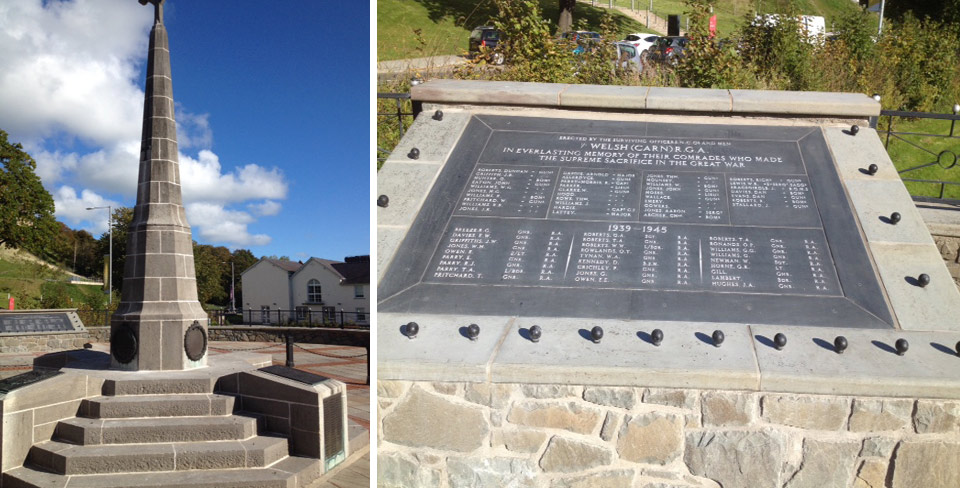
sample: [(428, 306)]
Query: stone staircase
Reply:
[(161, 433)]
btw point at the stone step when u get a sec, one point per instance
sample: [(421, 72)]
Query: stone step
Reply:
[(89, 432), (69, 459), (192, 405), (290, 472), (166, 383)]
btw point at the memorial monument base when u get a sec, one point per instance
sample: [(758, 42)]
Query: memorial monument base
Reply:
[(169, 331), (471, 396), (230, 424)]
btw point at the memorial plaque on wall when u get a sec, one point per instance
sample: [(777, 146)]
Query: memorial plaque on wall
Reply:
[(36, 322), (642, 221)]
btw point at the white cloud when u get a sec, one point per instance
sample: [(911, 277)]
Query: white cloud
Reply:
[(72, 209), (214, 223), (72, 67), (265, 208), (70, 71), (203, 179), (193, 130)]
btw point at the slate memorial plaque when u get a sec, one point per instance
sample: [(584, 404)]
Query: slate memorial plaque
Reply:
[(29, 322), (633, 220)]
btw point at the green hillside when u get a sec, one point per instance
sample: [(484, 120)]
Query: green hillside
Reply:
[(445, 25), (35, 284)]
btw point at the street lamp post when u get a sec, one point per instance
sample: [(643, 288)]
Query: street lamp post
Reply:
[(110, 262)]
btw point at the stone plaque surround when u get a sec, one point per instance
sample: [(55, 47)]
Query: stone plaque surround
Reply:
[(894, 254)]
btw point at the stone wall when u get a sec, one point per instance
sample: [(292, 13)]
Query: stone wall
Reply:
[(45, 342), (469, 434)]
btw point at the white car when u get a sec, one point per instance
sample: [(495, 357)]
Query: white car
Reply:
[(640, 41)]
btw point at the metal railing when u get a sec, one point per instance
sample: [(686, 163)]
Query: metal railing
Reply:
[(385, 120), (298, 318), (946, 159)]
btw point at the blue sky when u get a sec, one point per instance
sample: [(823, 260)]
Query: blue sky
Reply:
[(273, 114)]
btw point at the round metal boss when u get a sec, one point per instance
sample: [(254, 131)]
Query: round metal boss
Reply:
[(123, 344), (195, 342)]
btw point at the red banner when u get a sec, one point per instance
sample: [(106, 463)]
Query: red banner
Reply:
[(713, 25)]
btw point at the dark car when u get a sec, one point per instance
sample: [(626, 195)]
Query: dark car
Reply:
[(667, 50), (487, 37)]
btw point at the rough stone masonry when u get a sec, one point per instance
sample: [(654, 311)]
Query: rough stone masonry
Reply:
[(450, 434)]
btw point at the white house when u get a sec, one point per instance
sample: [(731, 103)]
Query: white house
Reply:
[(317, 291)]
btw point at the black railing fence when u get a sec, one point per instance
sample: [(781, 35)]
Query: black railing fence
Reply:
[(393, 123), (301, 318), (930, 153)]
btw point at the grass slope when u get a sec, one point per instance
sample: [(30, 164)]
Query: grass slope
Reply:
[(22, 276), (445, 25)]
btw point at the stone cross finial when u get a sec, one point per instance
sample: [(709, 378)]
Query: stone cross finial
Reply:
[(158, 10)]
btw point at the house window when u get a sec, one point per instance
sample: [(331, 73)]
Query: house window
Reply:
[(357, 291), (313, 292), (361, 314)]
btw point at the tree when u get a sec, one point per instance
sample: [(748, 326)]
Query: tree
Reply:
[(212, 265), (26, 208), (122, 220), (565, 24)]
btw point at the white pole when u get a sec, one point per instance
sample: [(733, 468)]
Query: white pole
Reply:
[(110, 264), (880, 28)]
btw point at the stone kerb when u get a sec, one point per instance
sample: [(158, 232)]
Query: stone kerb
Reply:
[(552, 95)]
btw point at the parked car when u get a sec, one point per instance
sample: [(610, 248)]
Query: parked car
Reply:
[(585, 40), (628, 57), (642, 42), (488, 37), (667, 50)]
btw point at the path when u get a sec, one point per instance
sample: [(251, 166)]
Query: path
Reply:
[(656, 23)]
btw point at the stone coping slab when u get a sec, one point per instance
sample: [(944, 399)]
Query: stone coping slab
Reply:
[(508, 93), (746, 360), (441, 350), (625, 354), (870, 365)]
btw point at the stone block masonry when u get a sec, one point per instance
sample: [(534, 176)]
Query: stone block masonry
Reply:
[(452, 434)]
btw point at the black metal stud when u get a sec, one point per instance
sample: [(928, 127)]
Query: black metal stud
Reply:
[(854, 129), (383, 201), (410, 330), (895, 218), (438, 115), (923, 279), (840, 344), (779, 341), (596, 333), (414, 154), (902, 345), (657, 337), (872, 169), (473, 331), (717, 337), (535, 331)]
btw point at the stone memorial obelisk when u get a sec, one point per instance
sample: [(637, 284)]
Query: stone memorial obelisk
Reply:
[(159, 324)]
